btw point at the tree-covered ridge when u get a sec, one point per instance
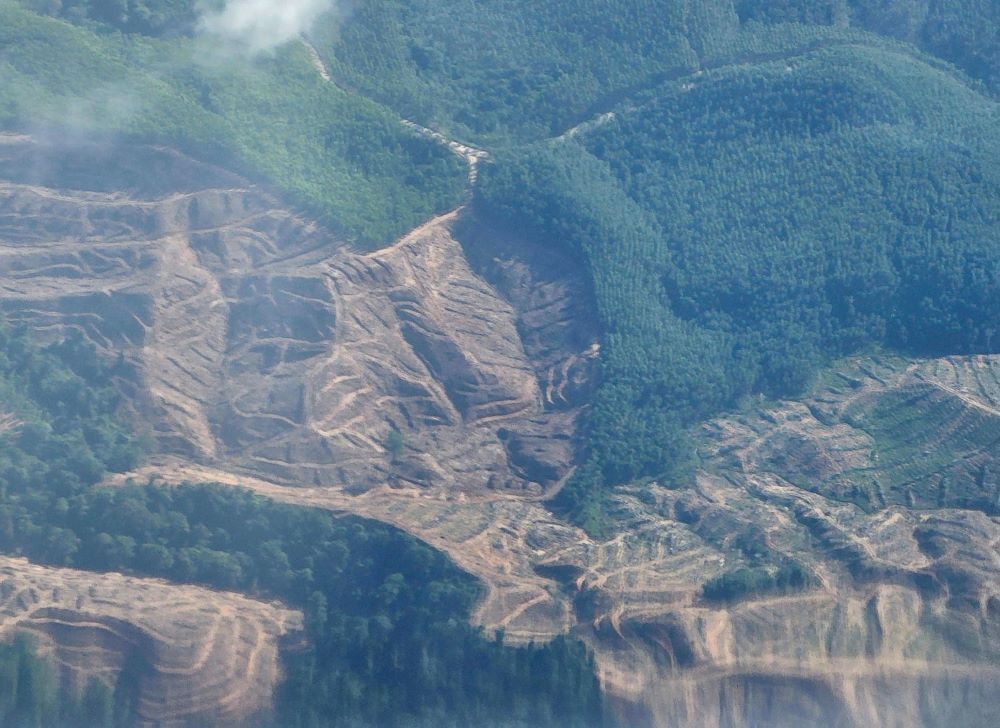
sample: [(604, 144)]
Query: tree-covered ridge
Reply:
[(743, 226), (387, 616), (964, 32), (515, 70), (509, 66), (338, 155)]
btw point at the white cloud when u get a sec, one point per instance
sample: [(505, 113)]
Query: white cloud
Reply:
[(260, 26)]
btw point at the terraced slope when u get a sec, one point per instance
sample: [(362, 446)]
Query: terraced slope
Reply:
[(884, 431), (205, 655), (900, 627), (263, 344), (268, 355)]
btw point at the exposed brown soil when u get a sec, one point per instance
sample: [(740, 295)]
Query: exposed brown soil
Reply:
[(207, 656), (262, 344), (270, 356), (905, 616)]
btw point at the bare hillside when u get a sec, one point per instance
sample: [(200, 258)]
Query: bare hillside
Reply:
[(268, 355), (206, 655), (900, 628), (262, 344)]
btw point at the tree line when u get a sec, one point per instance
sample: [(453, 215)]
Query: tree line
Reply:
[(389, 641), (337, 156), (743, 230)]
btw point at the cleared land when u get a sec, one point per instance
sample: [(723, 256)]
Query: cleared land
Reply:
[(268, 355), (206, 655)]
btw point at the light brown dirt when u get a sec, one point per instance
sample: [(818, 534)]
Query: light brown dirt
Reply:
[(211, 656), (269, 356), (262, 344)]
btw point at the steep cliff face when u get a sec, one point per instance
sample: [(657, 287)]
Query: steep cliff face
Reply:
[(268, 354)]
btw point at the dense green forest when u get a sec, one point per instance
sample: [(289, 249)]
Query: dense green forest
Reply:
[(511, 69), (387, 616), (148, 17), (757, 581), (964, 32), (492, 68), (61, 431), (469, 59), (337, 155), (744, 227)]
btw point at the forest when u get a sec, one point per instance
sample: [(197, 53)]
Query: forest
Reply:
[(387, 616), (148, 17), (744, 228), (405, 54), (757, 581), (515, 71), (31, 694), (753, 188), (341, 158)]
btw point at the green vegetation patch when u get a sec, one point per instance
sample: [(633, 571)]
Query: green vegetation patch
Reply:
[(743, 227), (339, 156), (31, 695), (964, 32), (386, 615), (756, 581), (520, 70), (60, 409), (531, 69)]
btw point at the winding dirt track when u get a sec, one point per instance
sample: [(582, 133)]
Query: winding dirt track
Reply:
[(472, 156)]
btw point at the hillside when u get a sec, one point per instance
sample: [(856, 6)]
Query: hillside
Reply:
[(342, 157), (631, 596), (515, 70), (894, 614), (514, 364), (256, 336), (386, 634), (743, 226), (184, 654)]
